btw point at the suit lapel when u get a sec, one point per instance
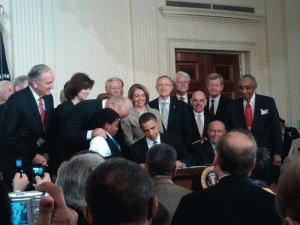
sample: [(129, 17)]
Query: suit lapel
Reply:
[(172, 112), (257, 109)]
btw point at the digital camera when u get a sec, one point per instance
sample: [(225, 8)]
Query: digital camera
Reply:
[(25, 207)]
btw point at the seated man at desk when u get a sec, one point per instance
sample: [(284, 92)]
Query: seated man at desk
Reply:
[(149, 124), (205, 152)]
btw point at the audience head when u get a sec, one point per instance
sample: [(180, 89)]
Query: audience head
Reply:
[(215, 130), (247, 86), (161, 160), (114, 86), (6, 90), (107, 119), (235, 153), (262, 165), (139, 95), (164, 86), (41, 79), (72, 176), (149, 124), (288, 193), (182, 82), (122, 105), (20, 83), (214, 85), (123, 187), (198, 101), (78, 87)]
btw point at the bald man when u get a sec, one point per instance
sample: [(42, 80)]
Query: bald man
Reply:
[(205, 152), (200, 118)]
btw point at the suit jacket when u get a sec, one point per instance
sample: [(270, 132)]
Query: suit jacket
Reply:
[(233, 200), (265, 126), (139, 149), (221, 109), (290, 133), (204, 153), (189, 96), (131, 128), (169, 194), (207, 120), (179, 121), (22, 127)]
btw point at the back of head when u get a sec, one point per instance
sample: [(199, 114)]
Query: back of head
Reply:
[(119, 191), (36, 72), (161, 160), (72, 176), (236, 153), (20, 82), (101, 117), (288, 191)]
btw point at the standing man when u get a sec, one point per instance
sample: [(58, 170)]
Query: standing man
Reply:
[(200, 118), (258, 114), (182, 82), (217, 103), (25, 122), (174, 113)]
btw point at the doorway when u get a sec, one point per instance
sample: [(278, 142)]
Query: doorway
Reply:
[(200, 63)]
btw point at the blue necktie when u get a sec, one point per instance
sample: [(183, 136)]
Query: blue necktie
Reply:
[(116, 143)]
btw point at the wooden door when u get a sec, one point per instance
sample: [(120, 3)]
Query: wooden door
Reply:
[(200, 64)]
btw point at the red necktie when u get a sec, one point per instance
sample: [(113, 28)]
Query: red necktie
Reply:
[(42, 113), (248, 115)]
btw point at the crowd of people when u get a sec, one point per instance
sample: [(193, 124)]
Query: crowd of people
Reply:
[(124, 151)]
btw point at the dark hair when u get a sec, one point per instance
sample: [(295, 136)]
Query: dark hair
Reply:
[(249, 77), (104, 96), (238, 157), (78, 82), (161, 160), (103, 116), (36, 72), (262, 165), (135, 87), (119, 185), (144, 118)]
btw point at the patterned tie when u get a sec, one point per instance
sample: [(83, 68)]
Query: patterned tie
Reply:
[(154, 143), (164, 114), (200, 124), (181, 98), (212, 108), (42, 113), (248, 115)]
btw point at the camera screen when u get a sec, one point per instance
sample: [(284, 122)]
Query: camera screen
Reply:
[(19, 212), (38, 171), (18, 163)]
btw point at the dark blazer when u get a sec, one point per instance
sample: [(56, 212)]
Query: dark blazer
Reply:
[(266, 125), (22, 127), (189, 96), (179, 121), (73, 137), (204, 153), (290, 133), (140, 148), (221, 109), (233, 200), (207, 120)]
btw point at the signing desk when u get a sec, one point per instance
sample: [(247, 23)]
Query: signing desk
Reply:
[(195, 178)]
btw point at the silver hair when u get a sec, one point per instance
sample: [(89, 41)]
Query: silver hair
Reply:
[(3, 83), (215, 76), (19, 81), (184, 74), (107, 83), (248, 76), (35, 74), (72, 176)]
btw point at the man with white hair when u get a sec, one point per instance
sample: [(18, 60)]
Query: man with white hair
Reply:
[(6, 90), (182, 82)]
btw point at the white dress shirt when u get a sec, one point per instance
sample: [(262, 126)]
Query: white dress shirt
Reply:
[(185, 96), (37, 97), (99, 144), (150, 142)]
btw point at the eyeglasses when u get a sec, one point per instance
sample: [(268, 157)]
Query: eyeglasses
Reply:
[(164, 85)]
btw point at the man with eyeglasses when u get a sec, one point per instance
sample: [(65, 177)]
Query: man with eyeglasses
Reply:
[(175, 114), (182, 82), (216, 103)]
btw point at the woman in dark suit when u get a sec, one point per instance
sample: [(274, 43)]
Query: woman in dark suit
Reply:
[(139, 96)]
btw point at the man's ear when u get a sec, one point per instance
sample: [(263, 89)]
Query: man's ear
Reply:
[(153, 206), (88, 215)]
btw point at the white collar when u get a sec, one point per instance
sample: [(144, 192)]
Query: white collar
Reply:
[(168, 100), (150, 142), (252, 99), (216, 99), (35, 95), (196, 114)]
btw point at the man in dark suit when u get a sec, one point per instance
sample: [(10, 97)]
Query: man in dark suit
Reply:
[(205, 152), (149, 124), (174, 113), (77, 134), (200, 118), (217, 103), (258, 114), (288, 135), (182, 82), (25, 122), (234, 199)]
